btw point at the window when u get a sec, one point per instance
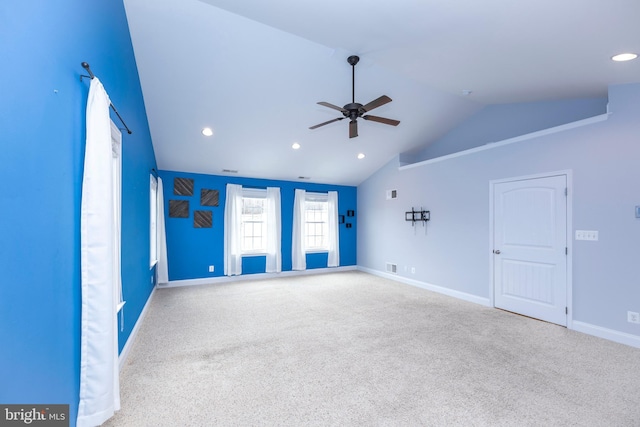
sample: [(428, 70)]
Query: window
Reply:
[(315, 227), (116, 165), (316, 215), (153, 221), (253, 226)]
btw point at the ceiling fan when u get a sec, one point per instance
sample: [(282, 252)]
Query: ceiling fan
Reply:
[(354, 110)]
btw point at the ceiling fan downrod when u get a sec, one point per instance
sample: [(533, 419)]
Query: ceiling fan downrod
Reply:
[(353, 60), (353, 110)]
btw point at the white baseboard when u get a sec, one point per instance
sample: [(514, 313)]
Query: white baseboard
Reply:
[(256, 276), (122, 358), (430, 287), (608, 334)]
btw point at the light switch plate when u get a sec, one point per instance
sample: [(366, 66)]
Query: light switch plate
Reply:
[(586, 235)]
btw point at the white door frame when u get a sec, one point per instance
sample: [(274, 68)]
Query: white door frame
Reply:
[(569, 175)]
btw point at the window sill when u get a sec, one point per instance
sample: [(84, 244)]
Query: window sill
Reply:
[(249, 254), (318, 251), (119, 307)]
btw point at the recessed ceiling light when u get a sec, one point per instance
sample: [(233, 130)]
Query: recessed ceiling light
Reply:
[(295, 146), (361, 156), (624, 57), (207, 131)]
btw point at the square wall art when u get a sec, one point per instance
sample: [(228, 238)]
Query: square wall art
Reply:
[(178, 209), (209, 197), (202, 219), (183, 186)]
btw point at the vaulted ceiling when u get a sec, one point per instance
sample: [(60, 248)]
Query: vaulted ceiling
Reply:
[(254, 70)]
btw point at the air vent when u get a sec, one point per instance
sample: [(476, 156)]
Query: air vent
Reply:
[(392, 268), (392, 194), (229, 171)]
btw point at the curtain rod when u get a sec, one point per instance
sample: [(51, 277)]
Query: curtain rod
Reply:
[(85, 65)]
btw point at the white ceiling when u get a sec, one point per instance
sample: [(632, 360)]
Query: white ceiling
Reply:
[(253, 70)]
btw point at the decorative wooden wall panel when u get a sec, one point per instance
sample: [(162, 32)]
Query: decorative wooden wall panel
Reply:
[(209, 197), (178, 208), (183, 186), (202, 219)]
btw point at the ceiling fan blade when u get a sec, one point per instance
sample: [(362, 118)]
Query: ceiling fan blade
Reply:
[(353, 129), (382, 120), (376, 103), (326, 123), (335, 107)]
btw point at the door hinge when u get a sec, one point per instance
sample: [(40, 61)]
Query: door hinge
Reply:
[(566, 250), (566, 191), (566, 310)]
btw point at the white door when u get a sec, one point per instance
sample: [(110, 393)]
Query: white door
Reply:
[(530, 247)]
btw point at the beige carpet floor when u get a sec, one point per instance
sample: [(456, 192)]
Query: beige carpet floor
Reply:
[(352, 349)]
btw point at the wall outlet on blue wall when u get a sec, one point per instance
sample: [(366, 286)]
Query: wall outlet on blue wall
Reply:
[(211, 269)]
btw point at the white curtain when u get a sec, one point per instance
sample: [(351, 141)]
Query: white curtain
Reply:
[(162, 267), (274, 231), (298, 251), (99, 385), (232, 235), (334, 240)]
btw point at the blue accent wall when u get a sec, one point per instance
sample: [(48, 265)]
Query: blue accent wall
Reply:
[(190, 251), (42, 117)]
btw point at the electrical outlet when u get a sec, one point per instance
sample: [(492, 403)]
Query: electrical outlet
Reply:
[(211, 269), (633, 317)]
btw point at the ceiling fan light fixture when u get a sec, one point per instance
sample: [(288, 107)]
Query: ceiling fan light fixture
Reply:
[(624, 57), (207, 131)]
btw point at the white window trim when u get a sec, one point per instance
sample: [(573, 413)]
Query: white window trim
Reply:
[(153, 225), (116, 153), (316, 197)]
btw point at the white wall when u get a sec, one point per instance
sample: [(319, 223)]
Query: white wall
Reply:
[(455, 254), (501, 121)]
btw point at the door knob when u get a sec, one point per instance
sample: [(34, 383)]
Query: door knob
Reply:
[(496, 251)]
